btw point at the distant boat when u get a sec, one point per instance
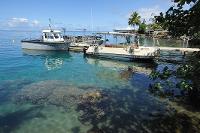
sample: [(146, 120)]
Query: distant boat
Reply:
[(78, 43), (128, 52), (51, 40)]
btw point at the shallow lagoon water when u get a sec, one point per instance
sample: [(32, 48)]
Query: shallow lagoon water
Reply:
[(63, 92)]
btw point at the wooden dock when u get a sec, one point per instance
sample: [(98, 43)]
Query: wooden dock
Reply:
[(173, 58), (179, 49)]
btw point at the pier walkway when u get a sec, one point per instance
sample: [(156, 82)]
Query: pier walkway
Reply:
[(179, 49), (174, 58)]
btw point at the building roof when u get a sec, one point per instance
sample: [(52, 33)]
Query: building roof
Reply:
[(116, 33), (55, 31)]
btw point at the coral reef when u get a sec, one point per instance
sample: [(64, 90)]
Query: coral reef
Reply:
[(49, 92)]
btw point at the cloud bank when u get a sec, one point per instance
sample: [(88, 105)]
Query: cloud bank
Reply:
[(148, 13), (19, 23)]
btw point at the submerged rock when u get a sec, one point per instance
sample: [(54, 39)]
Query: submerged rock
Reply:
[(10, 87), (92, 96), (52, 93)]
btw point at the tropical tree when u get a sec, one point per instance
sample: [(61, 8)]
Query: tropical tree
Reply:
[(186, 77), (161, 21), (180, 21), (182, 2), (134, 19), (142, 27)]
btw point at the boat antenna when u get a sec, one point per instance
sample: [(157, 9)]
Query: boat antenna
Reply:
[(50, 24), (91, 15), (64, 30)]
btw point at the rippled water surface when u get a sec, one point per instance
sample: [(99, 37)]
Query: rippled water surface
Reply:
[(65, 92)]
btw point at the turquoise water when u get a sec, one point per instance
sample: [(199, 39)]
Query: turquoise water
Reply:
[(65, 92)]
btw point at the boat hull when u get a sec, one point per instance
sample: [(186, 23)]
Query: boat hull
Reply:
[(77, 48), (44, 45), (119, 53), (122, 57)]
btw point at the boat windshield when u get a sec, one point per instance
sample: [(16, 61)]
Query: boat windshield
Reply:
[(45, 35), (56, 35), (52, 35)]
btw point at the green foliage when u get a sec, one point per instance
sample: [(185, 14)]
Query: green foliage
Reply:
[(154, 75), (160, 21), (185, 86), (155, 26), (184, 71), (180, 21), (157, 86), (165, 74), (142, 28), (186, 78), (134, 19), (183, 2)]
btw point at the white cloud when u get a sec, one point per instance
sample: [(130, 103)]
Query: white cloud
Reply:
[(14, 22), (35, 23), (148, 13), (20, 23), (23, 20)]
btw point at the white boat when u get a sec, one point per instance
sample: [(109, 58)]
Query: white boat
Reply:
[(51, 40), (127, 52)]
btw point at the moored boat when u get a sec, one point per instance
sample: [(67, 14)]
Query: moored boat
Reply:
[(129, 51), (78, 43), (50, 40)]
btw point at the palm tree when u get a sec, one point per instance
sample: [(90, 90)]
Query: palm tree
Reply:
[(134, 19)]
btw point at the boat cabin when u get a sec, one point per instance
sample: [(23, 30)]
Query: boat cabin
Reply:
[(52, 36)]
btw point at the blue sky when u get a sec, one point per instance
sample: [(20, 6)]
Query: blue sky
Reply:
[(75, 14)]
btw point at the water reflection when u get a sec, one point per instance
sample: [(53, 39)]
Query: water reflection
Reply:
[(148, 41), (53, 63), (53, 59), (144, 68)]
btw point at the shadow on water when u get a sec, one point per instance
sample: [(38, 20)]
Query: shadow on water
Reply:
[(10, 87), (76, 130), (118, 109), (11, 121), (126, 111)]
